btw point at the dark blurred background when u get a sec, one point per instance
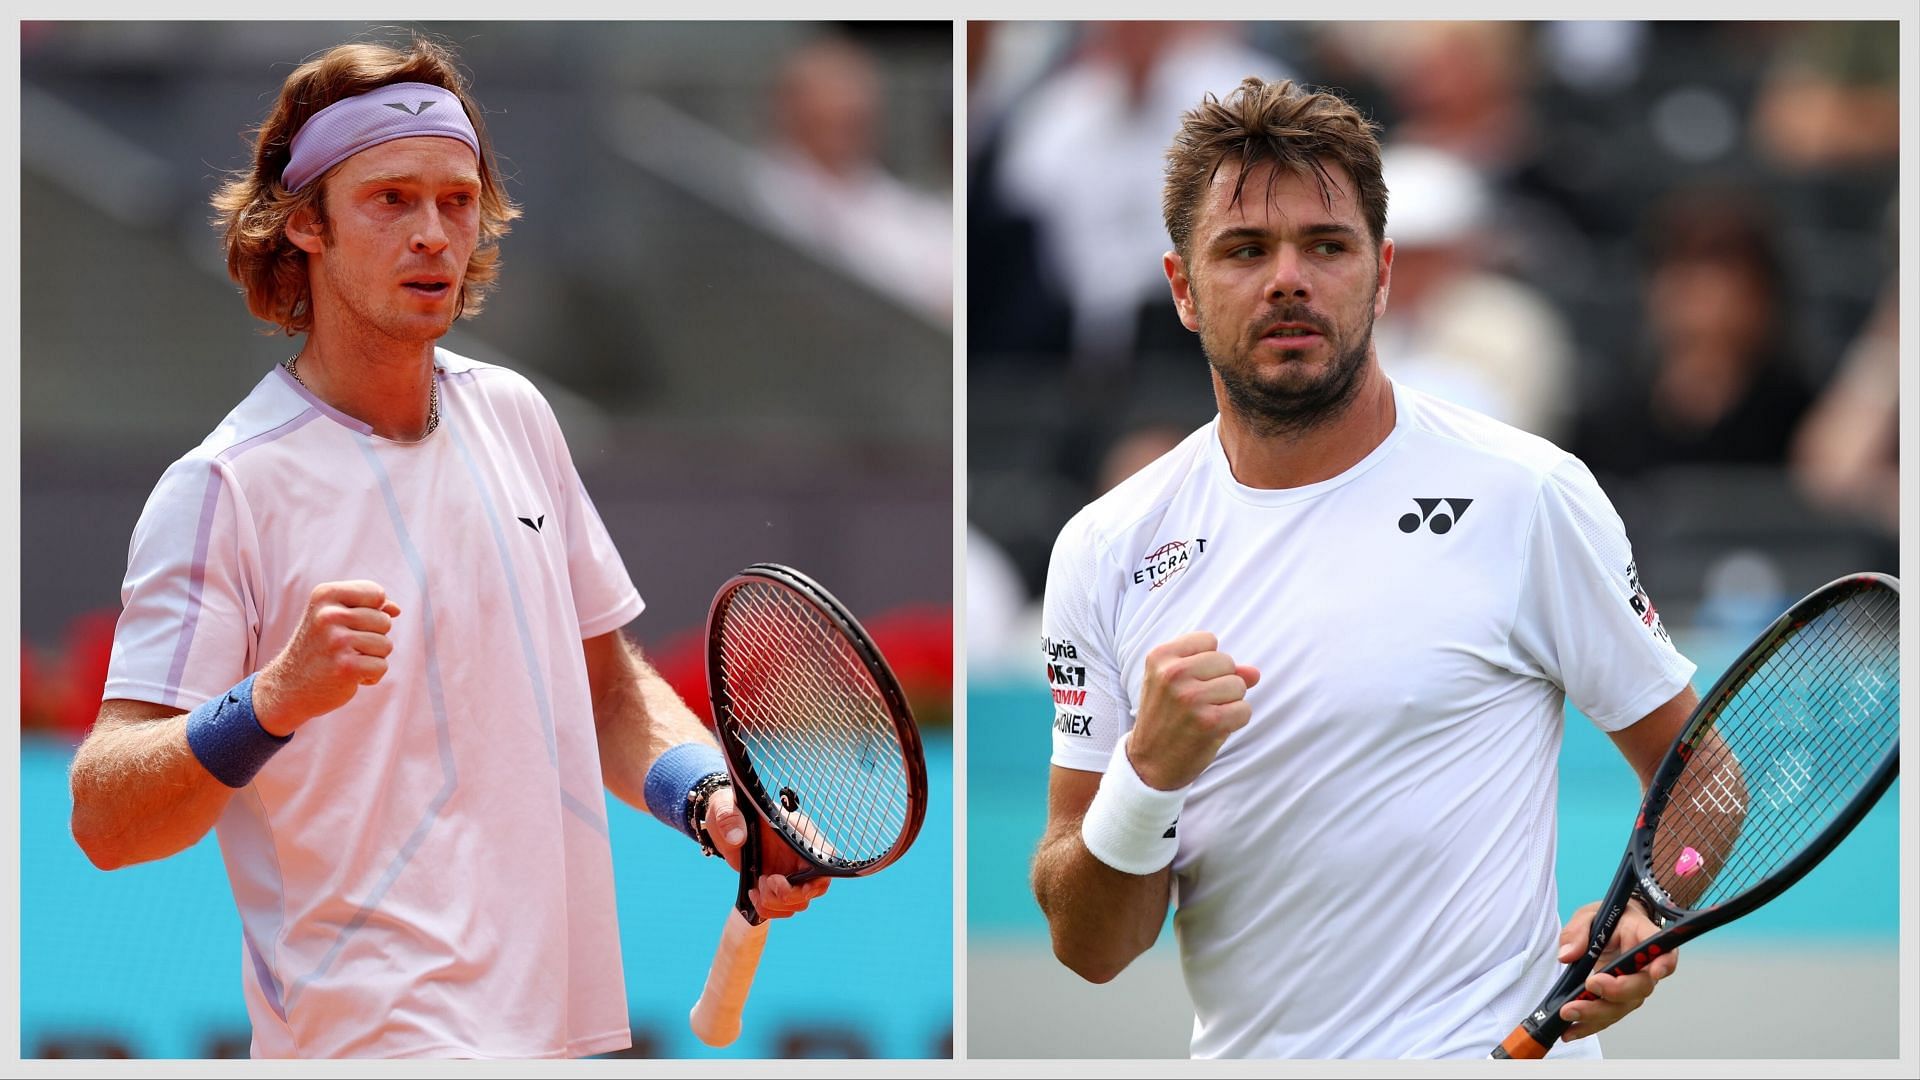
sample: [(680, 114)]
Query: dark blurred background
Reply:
[(733, 281), (1668, 247)]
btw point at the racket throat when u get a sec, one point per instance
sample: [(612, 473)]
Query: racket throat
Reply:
[(749, 864)]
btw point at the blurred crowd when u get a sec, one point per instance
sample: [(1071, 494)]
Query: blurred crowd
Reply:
[(1668, 247), (823, 183)]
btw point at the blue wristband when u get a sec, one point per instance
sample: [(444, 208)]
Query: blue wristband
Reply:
[(671, 779), (228, 739)]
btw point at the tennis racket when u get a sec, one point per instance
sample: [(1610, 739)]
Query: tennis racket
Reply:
[(1783, 757), (820, 745)]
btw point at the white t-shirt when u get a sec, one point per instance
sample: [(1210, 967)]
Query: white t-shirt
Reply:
[(1366, 869), (424, 872)]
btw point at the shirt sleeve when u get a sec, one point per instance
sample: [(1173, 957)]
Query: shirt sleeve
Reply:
[(1584, 621), (603, 594), (188, 627), (1090, 710)]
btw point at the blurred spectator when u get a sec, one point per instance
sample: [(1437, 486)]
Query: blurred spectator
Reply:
[(1595, 56), (1017, 315), (1832, 98), (1133, 451), (824, 184), (1454, 86), (998, 635), (1725, 386), (1846, 455), (1545, 164), (1081, 158), (1005, 60), (1453, 327)]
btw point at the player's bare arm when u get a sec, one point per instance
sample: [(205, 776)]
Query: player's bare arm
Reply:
[(139, 791), (1100, 918), (139, 794), (639, 717), (1193, 696), (1643, 744)]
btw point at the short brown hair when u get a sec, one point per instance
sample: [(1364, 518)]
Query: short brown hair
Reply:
[(254, 206), (1292, 127)]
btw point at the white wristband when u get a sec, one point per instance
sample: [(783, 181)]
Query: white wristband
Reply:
[(1129, 826)]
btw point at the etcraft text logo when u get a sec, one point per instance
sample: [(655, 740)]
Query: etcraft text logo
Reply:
[(1168, 561)]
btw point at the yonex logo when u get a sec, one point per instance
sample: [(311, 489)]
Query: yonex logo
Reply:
[(1168, 835), (1073, 723), (534, 523), (415, 111), (1439, 523)]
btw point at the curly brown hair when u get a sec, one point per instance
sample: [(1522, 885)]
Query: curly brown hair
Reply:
[(1296, 129), (255, 207)]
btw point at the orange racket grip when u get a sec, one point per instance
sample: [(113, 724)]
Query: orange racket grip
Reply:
[(1521, 1045), (716, 1016)]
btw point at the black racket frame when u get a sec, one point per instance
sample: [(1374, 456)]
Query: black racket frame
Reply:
[(1635, 877), (752, 797)]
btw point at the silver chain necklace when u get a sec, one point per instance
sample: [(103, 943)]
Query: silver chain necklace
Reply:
[(433, 394)]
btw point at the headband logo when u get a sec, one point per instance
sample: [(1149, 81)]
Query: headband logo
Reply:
[(416, 111)]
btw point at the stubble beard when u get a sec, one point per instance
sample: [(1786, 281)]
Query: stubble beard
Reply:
[(367, 319), (1269, 408)]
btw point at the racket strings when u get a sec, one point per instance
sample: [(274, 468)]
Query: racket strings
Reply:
[(814, 724), (1786, 755), (801, 746), (794, 717)]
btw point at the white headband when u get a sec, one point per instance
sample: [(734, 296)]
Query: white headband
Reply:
[(348, 126)]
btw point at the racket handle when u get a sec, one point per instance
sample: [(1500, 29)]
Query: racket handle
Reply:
[(1520, 1046), (1533, 1039), (716, 1016)]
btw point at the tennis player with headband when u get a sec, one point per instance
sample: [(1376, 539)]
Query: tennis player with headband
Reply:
[(371, 630)]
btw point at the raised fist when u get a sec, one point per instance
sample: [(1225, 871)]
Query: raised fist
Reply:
[(341, 645), (1192, 698)]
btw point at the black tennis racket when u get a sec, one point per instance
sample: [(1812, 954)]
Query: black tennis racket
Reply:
[(820, 745), (1783, 757)]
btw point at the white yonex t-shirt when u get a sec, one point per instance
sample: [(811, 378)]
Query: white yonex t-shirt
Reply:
[(424, 872), (1366, 869)]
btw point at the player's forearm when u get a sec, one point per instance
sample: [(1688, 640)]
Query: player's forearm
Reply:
[(637, 716), (1100, 918), (1708, 806), (139, 794)]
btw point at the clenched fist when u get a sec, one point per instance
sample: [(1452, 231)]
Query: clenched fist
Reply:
[(341, 645), (1192, 698)]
